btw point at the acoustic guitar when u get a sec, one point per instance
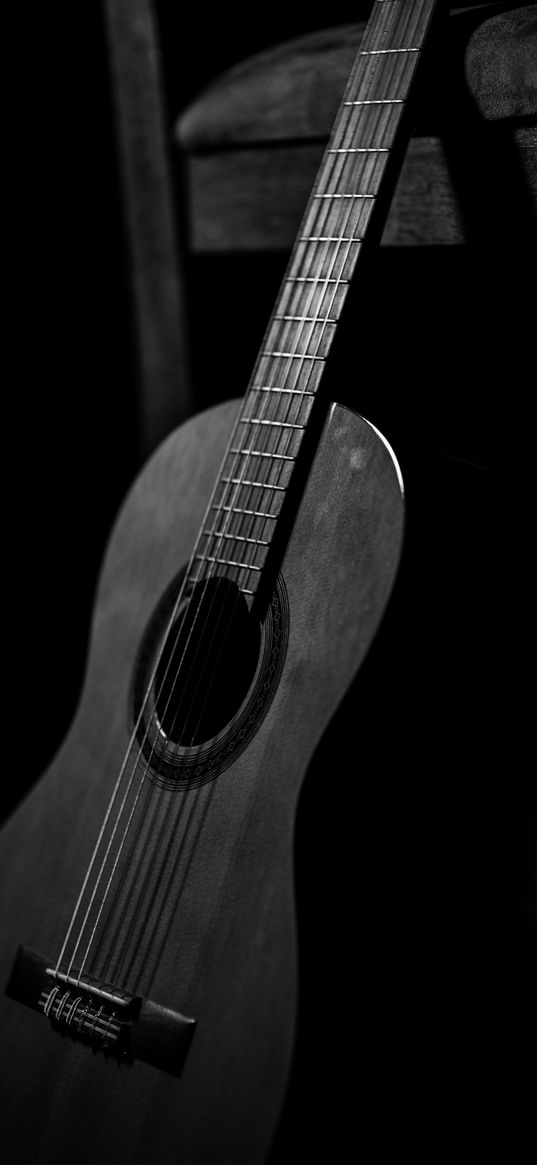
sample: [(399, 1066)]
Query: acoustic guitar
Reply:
[(148, 955)]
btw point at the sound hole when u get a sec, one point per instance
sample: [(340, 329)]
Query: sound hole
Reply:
[(207, 665)]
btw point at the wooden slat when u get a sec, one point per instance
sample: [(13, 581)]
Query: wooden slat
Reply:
[(149, 214)]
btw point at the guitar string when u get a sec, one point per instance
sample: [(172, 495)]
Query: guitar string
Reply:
[(133, 737), (312, 330), (323, 283), (149, 688), (329, 273), (312, 295), (130, 937), (334, 290), (308, 343), (268, 454), (305, 355), (128, 789)]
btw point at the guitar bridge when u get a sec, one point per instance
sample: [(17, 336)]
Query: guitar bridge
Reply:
[(112, 1021)]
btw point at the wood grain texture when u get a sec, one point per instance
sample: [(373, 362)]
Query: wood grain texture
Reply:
[(248, 200), (294, 90), (223, 946)]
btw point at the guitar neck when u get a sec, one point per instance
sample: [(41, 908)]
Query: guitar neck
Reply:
[(249, 494)]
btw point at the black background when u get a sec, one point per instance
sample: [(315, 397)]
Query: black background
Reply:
[(416, 855)]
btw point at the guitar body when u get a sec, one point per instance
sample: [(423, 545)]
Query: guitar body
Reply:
[(214, 937)]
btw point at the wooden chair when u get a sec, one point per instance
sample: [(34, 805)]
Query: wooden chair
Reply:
[(253, 140), (248, 148)]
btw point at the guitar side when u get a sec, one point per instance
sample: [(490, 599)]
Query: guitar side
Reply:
[(220, 943)]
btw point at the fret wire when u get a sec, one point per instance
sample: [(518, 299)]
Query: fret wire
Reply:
[(281, 457), (378, 101), (360, 150), (249, 513), (279, 424), (293, 407), (312, 301), (338, 221), (396, 23), (364, 150), (319, 256), (293, 355), (399, 25), (322, 283), (391, 72), (235, 537), (309, 319), (280, 467), (239, 482), (305, 394), (241, 510), (312, 279), (227, 562), (342, 236), (376, 123), (292, 376), (250, 527), (385, 128), (273, 486), (384, 52), (260, 453), (336, 283), (275, 388), (253, 484), (321, 239), (403, 24), (377, 149)]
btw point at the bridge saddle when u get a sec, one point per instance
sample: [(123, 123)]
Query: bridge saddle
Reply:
[(126, 1026)]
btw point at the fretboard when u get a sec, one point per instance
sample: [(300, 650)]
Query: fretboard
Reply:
[(256, 472)]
